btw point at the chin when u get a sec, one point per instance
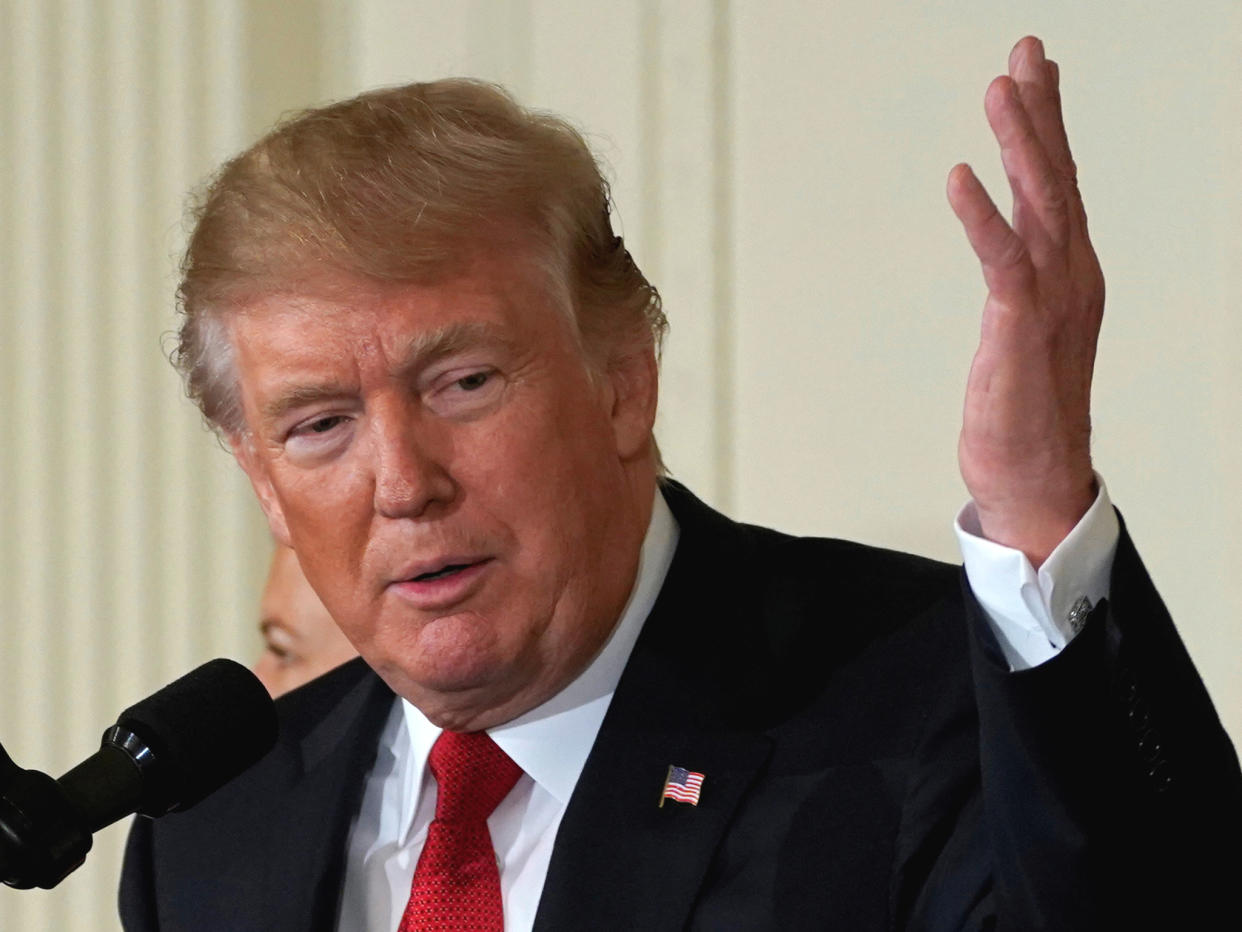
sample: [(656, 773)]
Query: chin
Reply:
[(449, 656)]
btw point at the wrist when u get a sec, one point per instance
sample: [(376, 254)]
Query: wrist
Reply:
[(1036, 523)]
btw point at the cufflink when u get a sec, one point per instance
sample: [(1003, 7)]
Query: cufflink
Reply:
[(1077, 615)]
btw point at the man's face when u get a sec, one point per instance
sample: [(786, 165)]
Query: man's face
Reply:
[(300, 639), (467, 500)]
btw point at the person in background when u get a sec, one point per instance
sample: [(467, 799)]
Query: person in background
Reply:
[(300, 639)]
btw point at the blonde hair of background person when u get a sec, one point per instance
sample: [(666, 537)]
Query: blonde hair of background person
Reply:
[(300, 639)]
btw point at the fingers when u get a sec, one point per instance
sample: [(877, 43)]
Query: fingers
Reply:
[(1006, 263), (1063, 159), (1039, 88), (1041, 214), (1047, 239), (1038, 82)]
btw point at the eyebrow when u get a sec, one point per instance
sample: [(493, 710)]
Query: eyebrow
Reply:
[(420, 352), (447, 340), (298, 396)]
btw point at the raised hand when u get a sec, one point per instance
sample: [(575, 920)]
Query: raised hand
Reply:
[(1024, 449)]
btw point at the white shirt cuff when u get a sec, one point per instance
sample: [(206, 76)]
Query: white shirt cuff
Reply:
[(1035, 614)]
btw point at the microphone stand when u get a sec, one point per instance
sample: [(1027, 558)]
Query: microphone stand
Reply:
[(42, 836)]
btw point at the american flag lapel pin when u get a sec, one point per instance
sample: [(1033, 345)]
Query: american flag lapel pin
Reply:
[(682, 785)]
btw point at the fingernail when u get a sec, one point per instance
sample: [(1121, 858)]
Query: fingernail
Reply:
[(1037, 51)]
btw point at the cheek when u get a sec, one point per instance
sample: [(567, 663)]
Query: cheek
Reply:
[(549, 490), (266, 670), (329, 520), (336, 499), (556, 443)]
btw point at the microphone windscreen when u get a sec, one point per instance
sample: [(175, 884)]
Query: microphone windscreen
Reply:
[(203, 730)]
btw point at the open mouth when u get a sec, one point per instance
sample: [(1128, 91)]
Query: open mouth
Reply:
[(451, 570), (446, 585)]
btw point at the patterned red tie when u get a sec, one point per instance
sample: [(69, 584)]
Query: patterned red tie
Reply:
[(456, 885)]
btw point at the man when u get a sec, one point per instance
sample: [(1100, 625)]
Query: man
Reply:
[(300, 639), (409, 316)]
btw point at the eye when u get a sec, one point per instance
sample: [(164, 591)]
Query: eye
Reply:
[(320, 425), (465, 392), (317, 429), (282, 656), (317, 437), (325, 424), (278, 642)]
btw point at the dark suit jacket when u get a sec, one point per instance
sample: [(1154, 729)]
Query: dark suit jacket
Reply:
[(869, 764)]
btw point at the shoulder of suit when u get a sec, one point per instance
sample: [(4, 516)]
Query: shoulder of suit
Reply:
[(816, 568), (352, 684)]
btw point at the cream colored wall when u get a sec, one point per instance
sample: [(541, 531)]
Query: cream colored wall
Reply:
[(130, 549), (780, 170), (780, 174), (858, 300)]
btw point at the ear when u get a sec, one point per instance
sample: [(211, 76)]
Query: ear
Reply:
[(634, 378), (255, 469)]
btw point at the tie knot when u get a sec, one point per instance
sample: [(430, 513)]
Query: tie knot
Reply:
[(472, 775)]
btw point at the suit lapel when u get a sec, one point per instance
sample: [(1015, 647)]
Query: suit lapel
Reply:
[(311, 825), (621, 860)]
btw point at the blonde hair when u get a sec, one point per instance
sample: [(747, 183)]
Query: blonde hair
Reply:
[(398, 185)]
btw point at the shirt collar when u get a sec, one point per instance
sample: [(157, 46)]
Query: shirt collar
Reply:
[(551, 741)]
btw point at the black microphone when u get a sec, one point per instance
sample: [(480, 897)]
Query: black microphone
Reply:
[(165, 753)]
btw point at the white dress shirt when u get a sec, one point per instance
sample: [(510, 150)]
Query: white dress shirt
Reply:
[(1032, 613), (551, 742)]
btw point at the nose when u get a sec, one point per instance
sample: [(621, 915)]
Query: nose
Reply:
[(411, 476)]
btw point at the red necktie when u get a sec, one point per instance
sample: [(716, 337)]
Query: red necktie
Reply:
[(456, 885)]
